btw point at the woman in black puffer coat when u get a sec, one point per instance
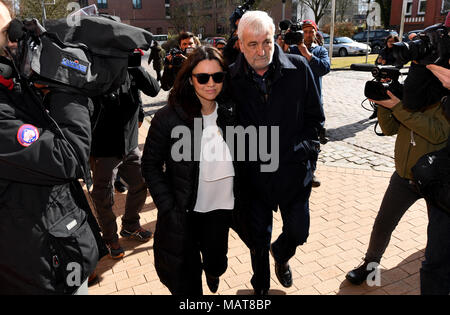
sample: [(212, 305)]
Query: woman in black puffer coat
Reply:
[(195, 196)]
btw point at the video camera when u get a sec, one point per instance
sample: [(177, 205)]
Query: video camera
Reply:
[(291, 32), (90, 58), (432, 46), (238, 13), (177, 59), (385, 79)]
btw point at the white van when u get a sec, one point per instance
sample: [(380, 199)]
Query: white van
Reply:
[(161, 39)]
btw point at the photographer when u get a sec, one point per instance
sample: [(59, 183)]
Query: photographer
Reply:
[(115, 145), (386, 56), (319, 62), (420, 131), (174, 60), (435, 271), (49, 239)]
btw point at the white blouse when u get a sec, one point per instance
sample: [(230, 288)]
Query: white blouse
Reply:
[(215, 184)]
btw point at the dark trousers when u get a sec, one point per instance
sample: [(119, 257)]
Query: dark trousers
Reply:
[(210, 247), (400, 195), (295, 216), (435, 271), (103, 193)]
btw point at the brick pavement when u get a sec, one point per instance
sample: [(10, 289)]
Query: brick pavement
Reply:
[(354, 168)]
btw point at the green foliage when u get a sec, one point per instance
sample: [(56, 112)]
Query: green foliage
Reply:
[(33, 9), (341, 29)]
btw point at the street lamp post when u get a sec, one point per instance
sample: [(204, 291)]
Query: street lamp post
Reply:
[(283, 14), (44, 14), (333, 13)]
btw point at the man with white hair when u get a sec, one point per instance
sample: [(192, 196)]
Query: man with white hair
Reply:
[(277, 91)]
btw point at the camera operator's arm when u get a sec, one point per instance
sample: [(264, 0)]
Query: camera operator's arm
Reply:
[(434, 128), (41, 155), (319, 62), (442, 74), (145, 82), (304, 51)]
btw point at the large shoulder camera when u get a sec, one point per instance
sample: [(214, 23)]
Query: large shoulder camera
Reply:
[(90, 58), (432, 46), (239, 12), (291, 32), (385, 79)]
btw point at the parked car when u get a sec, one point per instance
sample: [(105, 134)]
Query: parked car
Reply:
[(406, 35), (376, 38), (344, 46), (213, 40)]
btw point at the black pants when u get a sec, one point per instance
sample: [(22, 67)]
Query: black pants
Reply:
[(296, 221), (210, 248)]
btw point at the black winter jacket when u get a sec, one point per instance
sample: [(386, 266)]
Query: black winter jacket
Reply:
[(116, 116), (291, 102), (173, 186), (45, 220)]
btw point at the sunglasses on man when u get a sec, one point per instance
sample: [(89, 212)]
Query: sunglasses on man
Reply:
[(203, 78)]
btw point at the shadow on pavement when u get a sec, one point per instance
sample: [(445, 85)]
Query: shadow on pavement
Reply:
[(400, 280), (349, 131)]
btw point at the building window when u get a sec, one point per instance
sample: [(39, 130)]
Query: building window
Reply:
[(409, 5), (137, 4), (167, 12), (84, 3), (102, 4), (422, 7)]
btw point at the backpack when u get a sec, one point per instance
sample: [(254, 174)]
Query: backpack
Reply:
[(432, 177)]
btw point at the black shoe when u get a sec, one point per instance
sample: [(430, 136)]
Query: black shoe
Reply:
[(323, 139), (315, 181), (283, 272), (120, 187), (359, 275), (260, 292), (212, 282)]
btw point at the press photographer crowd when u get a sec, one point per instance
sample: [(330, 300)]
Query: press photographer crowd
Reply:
[(71, 109)]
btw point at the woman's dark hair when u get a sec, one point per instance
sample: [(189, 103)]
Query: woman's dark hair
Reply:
[(183, 92), (395, 37)]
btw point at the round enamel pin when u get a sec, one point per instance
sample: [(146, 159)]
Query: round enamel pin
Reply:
[(27, 135)]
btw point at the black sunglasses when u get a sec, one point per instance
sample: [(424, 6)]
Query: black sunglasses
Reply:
[(203, 78)]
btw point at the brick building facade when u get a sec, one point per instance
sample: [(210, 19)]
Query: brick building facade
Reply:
[(419, 13), (208, 17)]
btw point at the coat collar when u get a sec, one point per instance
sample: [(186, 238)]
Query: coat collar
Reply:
[(280, 60)]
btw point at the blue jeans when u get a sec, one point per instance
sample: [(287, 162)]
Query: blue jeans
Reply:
[(435, 271)]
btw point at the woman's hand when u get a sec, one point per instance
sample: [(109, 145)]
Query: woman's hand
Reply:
[(442, 74), (389, 103)]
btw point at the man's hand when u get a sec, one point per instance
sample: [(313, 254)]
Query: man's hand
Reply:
[(389, 103), (304, 51), (442, 74)]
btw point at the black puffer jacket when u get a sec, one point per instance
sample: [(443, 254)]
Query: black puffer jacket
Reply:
[(46, 224), (173, 186)]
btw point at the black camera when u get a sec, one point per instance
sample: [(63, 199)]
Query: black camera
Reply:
[(432, 46), (239, 12), (134, 61), (385, 79), (292, 32), (177, 59)]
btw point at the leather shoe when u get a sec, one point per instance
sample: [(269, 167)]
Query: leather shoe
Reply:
[(283, 272), (212, 282), (260, 292), (315, 181), (358, 275)]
